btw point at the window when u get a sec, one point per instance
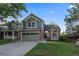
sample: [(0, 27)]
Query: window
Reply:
[(29, 33), (9, 33), (16, 33), (31, 24), (23, 33), (54, 34), (34, 33)]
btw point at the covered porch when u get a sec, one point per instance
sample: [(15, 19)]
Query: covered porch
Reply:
[(11, 34)]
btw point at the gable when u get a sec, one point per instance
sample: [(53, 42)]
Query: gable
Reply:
[(33, 17), (50, 27), (32, 21), (56, 28)]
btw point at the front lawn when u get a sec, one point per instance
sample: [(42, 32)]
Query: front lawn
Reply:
[(54, 49), (5, 41)]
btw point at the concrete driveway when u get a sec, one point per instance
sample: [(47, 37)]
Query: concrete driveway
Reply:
[(17, 48)]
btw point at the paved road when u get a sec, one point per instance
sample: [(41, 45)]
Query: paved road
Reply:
[(16, 48)]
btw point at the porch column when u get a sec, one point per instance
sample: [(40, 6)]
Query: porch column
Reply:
[(21, 35), (4, 34), (13, 35), (18, 34)]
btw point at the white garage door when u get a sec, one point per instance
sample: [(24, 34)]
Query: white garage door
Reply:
[(30, 36)]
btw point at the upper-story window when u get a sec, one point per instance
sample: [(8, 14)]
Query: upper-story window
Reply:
[(31, 24)]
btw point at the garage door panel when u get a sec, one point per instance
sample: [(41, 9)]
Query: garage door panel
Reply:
[(30, 36)]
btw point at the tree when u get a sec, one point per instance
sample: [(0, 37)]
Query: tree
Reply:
[(12, 23), (76, 4), (53, 23), (63, 33), (73, 14), (68, 24), (11, 10)]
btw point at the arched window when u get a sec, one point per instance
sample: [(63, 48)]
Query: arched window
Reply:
[(54, 30)]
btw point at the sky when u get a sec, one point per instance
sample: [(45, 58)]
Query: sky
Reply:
[(49, 12)]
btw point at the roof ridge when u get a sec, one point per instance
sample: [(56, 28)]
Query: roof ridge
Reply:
[(34, 16)]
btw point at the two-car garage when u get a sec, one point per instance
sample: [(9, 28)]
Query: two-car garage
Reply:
[(31, 36)]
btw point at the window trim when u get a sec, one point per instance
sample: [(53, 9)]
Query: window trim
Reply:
[(30, 33), (31, 22), (54, 34)]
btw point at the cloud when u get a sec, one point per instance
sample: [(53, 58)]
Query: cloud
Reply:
[(51, 12), (61, 3), (70, 6)]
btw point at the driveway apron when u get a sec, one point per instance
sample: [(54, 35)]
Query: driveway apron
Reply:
[(17, 48)]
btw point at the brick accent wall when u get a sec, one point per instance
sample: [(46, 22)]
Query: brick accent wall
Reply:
[(41, 34)]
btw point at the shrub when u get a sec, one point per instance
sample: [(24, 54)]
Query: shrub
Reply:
[(62, 38)]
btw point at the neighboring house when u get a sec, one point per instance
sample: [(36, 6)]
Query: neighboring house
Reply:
[(2, 25), (11, 30), (52, 32), (33, 28)]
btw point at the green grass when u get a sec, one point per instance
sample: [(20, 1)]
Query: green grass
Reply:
[(54, 49), (5, 41)]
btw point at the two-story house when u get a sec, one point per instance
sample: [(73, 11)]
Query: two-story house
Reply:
[(33, 28)]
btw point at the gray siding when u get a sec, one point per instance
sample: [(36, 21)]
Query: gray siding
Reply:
[(56, 37), (39, 24)]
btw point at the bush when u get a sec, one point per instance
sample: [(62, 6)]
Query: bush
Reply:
[(48, 39), (1, 38), (62, 38)]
